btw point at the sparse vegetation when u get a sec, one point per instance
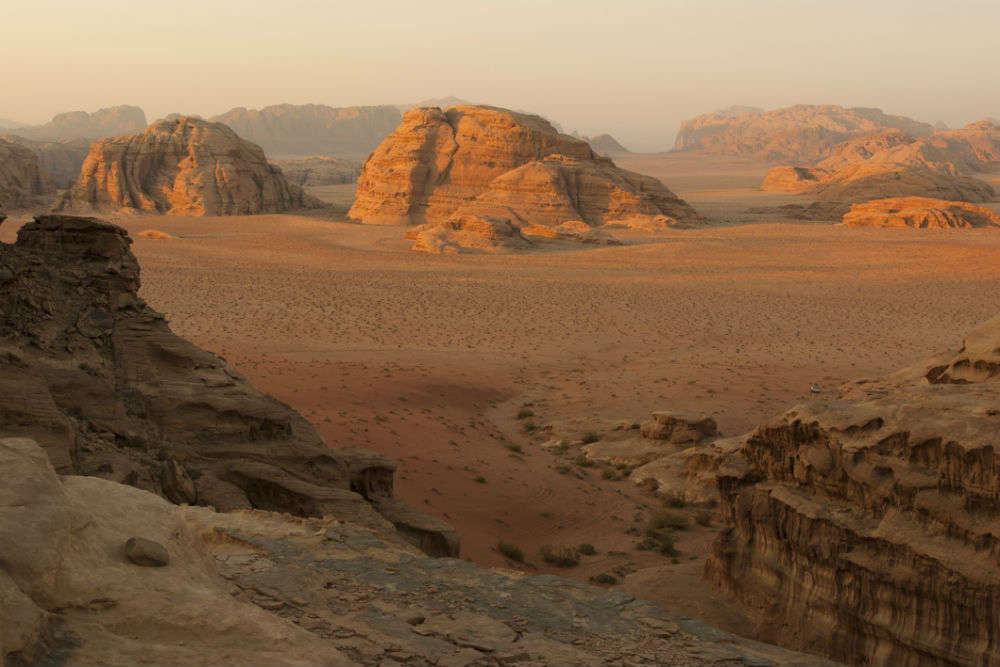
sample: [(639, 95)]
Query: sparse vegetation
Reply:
[(609, 473), (674, 500), (590, 437), (511, 551), (665, 519), (530, 427), (582, 461), (586, 549), (480, 479), (559, 556), (563, 470), (514, 447), (604, 579), (524, 413)]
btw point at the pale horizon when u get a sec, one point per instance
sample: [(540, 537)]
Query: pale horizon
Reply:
[(635, 71)]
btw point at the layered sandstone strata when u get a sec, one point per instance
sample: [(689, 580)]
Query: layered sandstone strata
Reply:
[(865, 526), (185, 166), (286, 130), (803, 133), (494, 163), (921, 213), (97, 378)]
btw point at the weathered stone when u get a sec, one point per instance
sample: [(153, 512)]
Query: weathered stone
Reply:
[(185, 166), (100, 381), (146, 553), (920, 212), (679, 428)]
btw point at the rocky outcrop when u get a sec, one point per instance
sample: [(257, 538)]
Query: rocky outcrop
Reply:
[(801, 134), (468, 233), (59, 160), (864, 526), (22, 181), (256, 587), (493, 163), (605, 144), (182, 167), (287, 130), (890, 164), (320, 170), (100, 124), (97, 378), (920, 212)]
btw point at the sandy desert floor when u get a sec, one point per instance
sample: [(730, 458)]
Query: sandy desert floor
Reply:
[(429, 359)]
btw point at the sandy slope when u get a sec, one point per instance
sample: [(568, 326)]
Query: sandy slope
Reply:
[(428, 358)]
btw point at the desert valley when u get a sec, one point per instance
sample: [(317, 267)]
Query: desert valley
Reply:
[(444, 383)]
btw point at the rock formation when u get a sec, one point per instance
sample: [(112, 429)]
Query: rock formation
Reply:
[(101, 124), (801, 134), (97, 378), (605, 144), (498, 164), (288, 130), (182, 167), (468, 233), (22, 181), (890, 164), (320, 170), (920, 212), (60, 160), (255, 587), (864, 526)]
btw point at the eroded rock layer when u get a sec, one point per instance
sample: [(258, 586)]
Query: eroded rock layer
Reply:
[(921, 213), (484, 161), (320, 170), (185, 166), (97, 378), (109, 122), (255, 587), (867, 526)]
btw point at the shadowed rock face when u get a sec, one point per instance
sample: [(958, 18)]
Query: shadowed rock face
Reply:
[(605, 144), (920, 212), (286, 130), (803, 133), (60, 160), (320, 170), (494, 163), (97, 378), (185, 166), (866, 526), (22, 181)]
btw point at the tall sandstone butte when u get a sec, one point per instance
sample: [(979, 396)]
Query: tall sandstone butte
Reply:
[(802, 133), (299, 130), (493, 163), (866, 525), (185, 166), (99, 380)]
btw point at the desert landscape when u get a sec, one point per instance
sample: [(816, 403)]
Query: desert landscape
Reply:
[(455, 383)]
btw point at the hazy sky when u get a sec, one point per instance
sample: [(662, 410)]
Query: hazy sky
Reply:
[(633, 68)]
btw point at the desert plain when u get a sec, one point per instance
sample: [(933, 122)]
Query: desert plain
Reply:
[(460, 367)]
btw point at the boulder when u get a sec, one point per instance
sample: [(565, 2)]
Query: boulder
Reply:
[(146, 553), (185, 166), (468, 233), (921, 213)]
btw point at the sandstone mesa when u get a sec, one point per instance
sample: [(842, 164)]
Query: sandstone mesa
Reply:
[(921, 213), (185, 166)]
